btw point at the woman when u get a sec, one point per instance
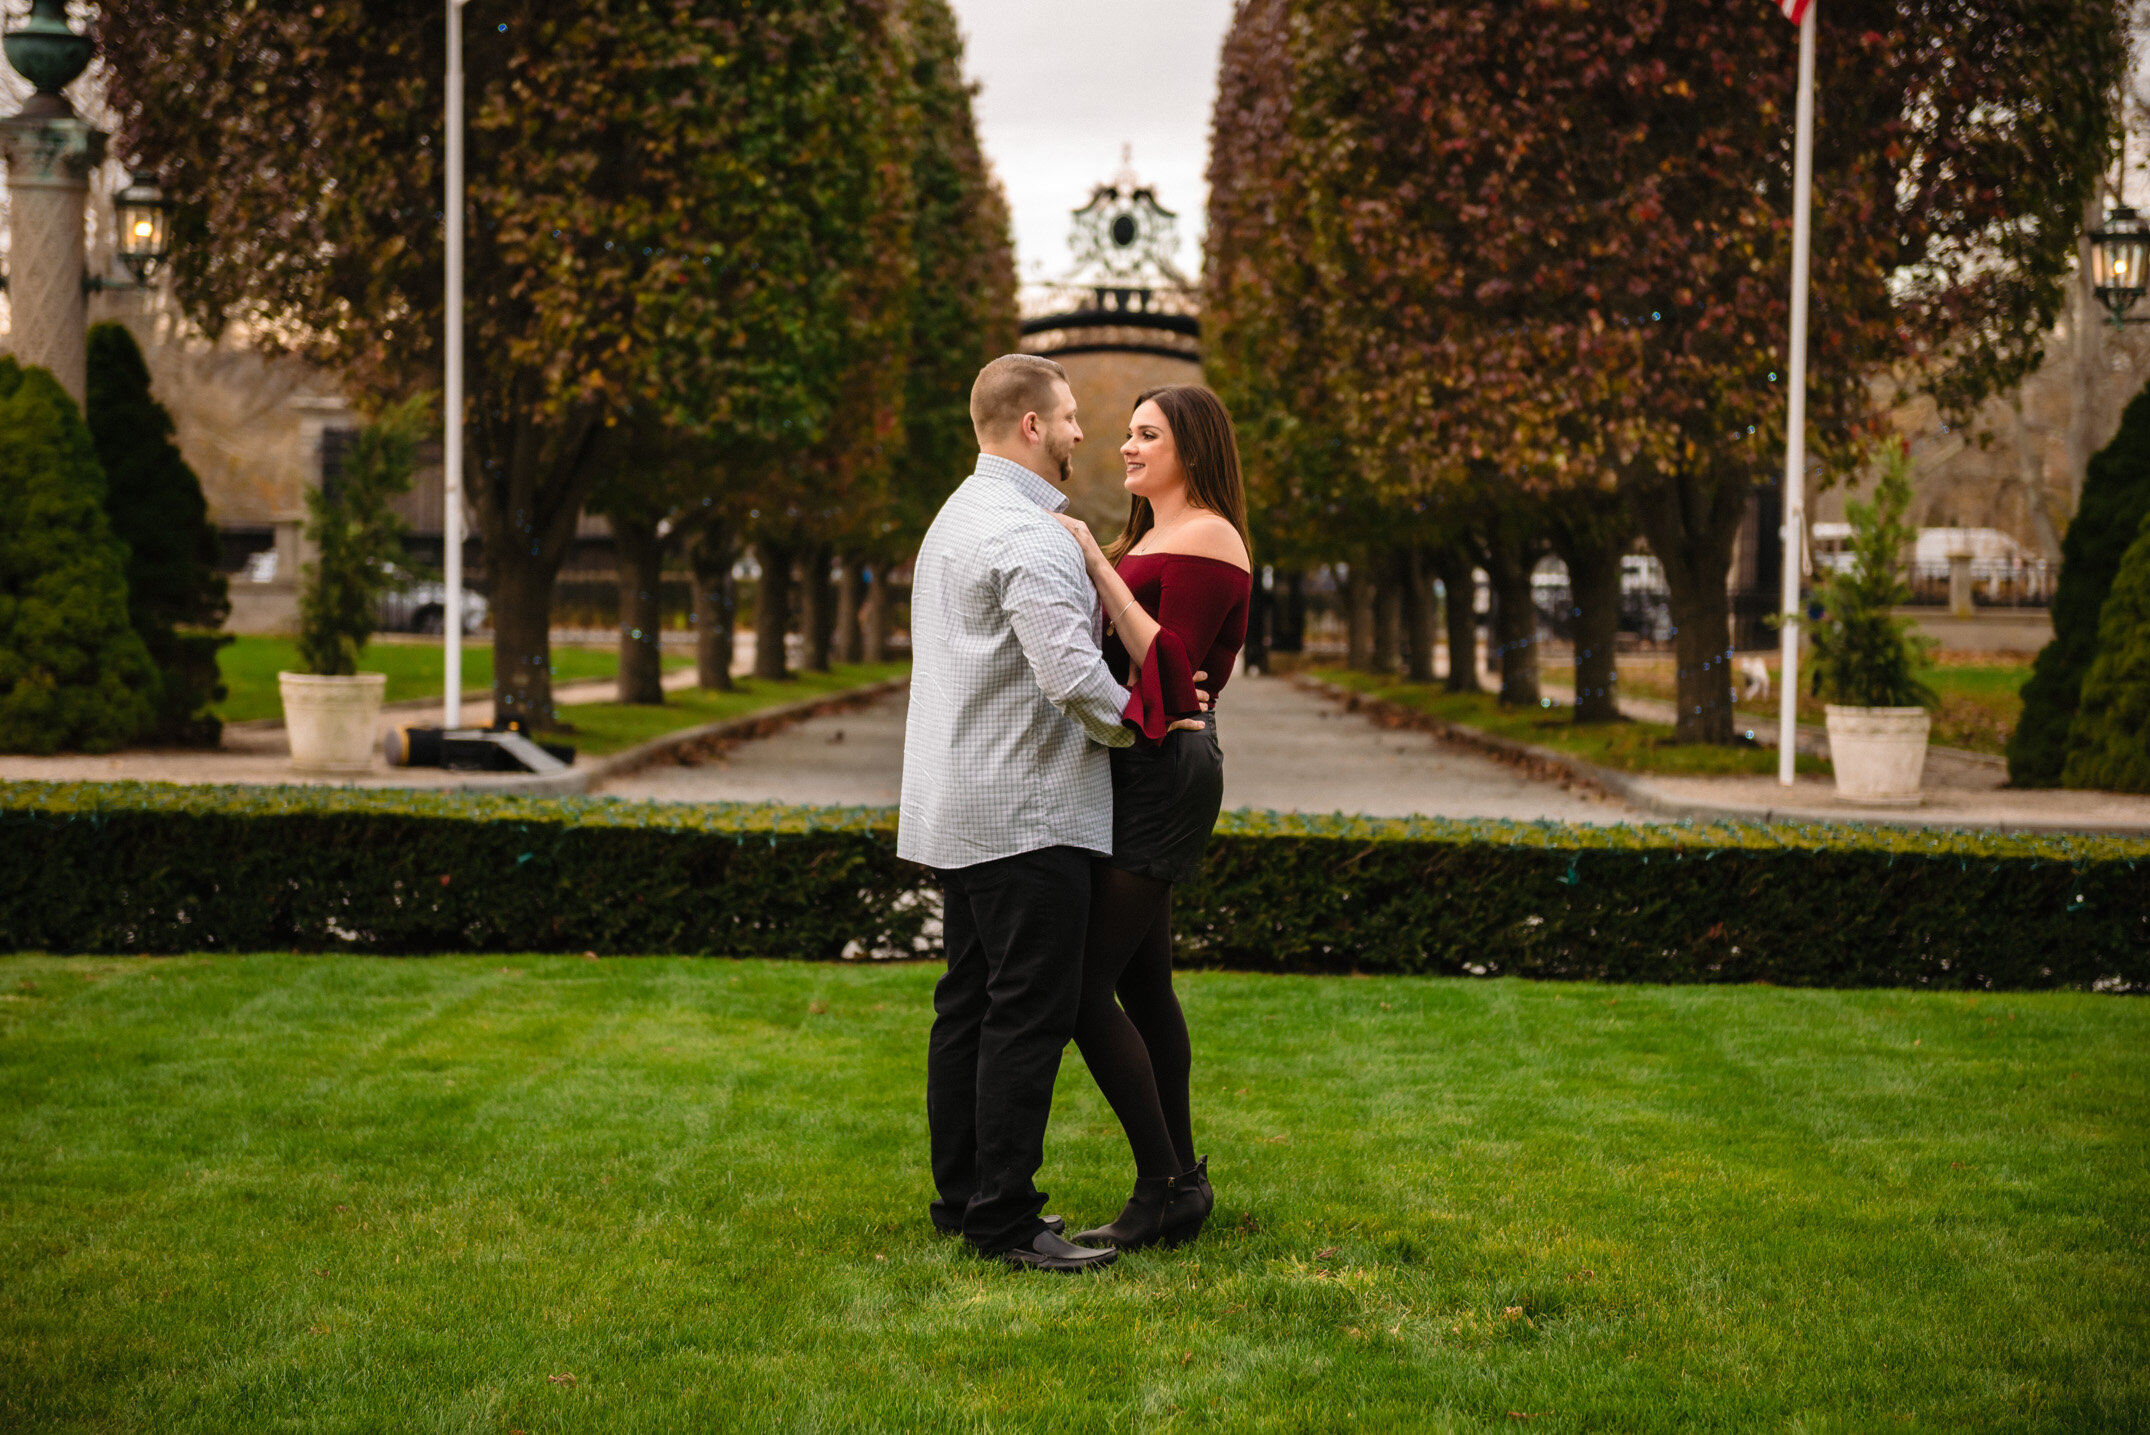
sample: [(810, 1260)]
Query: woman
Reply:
[(1175, 586)]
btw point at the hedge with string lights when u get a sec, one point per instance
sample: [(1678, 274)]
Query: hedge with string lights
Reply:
[(151, 868)]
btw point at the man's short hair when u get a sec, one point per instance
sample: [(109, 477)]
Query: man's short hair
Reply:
[(1009, 387)]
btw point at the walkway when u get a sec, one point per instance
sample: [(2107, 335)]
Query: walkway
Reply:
[(1285, 749)]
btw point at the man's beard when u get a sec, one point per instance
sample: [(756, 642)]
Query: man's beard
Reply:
[(1064, 458)]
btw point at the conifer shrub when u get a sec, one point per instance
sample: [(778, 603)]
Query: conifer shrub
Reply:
[(2116, 496), (73, 672), (1865, 656), (357, 537), (175, 586), (2109, 740)]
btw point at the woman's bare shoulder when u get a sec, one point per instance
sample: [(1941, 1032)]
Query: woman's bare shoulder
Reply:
[(1210, 535)]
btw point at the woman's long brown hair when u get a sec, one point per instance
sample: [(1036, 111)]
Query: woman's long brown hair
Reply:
[(1208, 450)]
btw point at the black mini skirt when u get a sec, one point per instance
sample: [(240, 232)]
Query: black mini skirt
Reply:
[(1165, 800)]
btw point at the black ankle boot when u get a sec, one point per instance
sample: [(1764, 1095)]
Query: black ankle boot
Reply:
[(1189, 1206), (1139, 1222)]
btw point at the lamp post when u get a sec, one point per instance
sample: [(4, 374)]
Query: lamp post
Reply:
[(50, 152)]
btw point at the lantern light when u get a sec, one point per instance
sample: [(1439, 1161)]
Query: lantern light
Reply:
[(143, 214), (2118, 254)]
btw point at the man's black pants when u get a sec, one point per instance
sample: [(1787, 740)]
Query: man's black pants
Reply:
[(1002, 1016)]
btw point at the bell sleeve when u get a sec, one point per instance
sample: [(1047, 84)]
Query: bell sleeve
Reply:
[(1192, 605)]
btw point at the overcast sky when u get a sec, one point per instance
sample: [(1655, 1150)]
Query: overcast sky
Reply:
[(1066, 83)]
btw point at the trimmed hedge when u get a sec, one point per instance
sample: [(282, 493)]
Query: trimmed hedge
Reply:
[(129, 867)]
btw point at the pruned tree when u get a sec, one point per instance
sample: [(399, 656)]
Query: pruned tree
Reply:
[(663, 214), (176, 595), (73, 671), (1554, 237)]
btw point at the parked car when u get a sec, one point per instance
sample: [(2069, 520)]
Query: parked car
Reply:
[(418, 605)]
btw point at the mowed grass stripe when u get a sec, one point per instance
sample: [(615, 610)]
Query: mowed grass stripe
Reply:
[(327, 1193)]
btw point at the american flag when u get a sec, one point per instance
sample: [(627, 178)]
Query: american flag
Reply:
[(1794, 10)]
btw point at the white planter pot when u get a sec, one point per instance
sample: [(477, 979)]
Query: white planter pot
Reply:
[(332, 721), (1879, 753)]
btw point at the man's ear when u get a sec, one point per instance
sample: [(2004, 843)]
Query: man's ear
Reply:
[(1032, 428)]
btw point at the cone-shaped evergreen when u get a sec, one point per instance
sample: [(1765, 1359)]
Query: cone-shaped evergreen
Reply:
[(156, 508), (2109, 741), (2116, 495), (73, 672)]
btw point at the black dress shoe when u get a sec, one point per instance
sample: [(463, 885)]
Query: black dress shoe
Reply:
[(1141, 1221), (1189, 1206), (1048, 1252)]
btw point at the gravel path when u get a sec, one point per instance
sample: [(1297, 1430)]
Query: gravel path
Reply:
[(1284, 748)]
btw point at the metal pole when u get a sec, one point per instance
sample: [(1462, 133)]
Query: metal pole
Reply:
[(452, 456), (1795, 430)]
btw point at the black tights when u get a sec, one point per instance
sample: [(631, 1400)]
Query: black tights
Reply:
[(1136, 1046)]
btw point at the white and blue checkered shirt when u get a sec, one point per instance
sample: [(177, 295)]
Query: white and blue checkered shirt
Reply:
[(1010, 697)]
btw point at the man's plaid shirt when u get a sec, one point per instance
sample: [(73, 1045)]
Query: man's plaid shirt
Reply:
[(1010, 697)]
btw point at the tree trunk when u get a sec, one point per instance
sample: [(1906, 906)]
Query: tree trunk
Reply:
[(772, 609), (875, 621), (1417, 615), (641, 562), (1590, 531), (527, 505), (1388, 613), (716, 606), (1452, 564), (1358, 598), (817, 605), (1261, 605), (522, 641), (1287, 624), (1691, 520), (1512, 550), (850, 597)]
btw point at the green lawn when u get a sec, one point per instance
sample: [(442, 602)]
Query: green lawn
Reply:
[(547, 1194), (600, 728), (1981, 702), (1625, 746), (250, 666)]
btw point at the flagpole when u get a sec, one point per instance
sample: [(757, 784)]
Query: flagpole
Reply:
[(452, 403), (1795, 428)]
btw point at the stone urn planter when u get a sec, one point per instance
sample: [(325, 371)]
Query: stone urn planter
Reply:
[(331, 721), (1879, 753)]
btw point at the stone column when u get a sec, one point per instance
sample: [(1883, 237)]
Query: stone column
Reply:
[(49, 159), (1959, 585)]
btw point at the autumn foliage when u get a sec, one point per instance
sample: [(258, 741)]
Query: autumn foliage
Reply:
[(1543, 248), (690, 233)]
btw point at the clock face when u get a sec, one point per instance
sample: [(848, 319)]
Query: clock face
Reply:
[(1123, 235)]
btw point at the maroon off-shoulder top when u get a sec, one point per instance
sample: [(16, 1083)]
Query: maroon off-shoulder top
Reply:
[(1200, 605)]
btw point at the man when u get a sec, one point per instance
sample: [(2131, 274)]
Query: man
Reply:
[(1006, 794)]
